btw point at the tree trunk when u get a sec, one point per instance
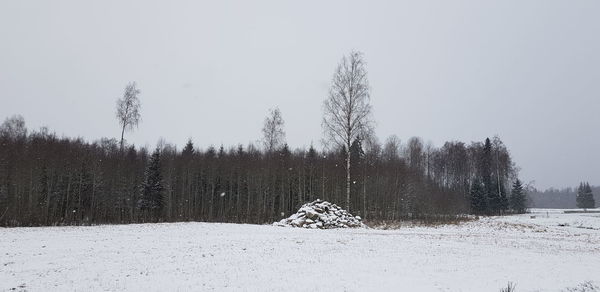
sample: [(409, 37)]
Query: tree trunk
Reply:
[(93, 199), (348, 178), (364, 213), (323, 181), (122, 135), (66, 214)]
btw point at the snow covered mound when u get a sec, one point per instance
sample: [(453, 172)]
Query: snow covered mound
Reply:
[(321, 214)]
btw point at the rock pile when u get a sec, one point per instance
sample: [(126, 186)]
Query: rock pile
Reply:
[(321, 214)]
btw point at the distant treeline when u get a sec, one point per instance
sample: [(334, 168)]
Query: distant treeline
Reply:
[(47, 180), (558, 198)]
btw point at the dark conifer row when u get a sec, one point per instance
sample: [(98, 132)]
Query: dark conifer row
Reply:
[(585, 197)]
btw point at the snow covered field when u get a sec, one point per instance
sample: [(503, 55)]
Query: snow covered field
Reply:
[(550, 252)]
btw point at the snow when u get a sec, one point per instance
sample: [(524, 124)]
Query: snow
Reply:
[(537, 254), (557, 217)]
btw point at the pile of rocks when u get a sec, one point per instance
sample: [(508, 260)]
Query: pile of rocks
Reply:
[(321, 214)]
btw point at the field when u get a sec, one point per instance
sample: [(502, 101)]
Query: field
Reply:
[(543, 251)]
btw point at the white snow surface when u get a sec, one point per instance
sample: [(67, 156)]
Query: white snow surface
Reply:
[(537, 254)]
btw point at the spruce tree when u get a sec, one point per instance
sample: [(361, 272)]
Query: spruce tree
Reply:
[(356, 157), (580, 195), (356, 151), (590, 202), (311, 172), (585, 197), (152, 201), (356, 167), (478, 198), (489, 187), (312, 153), (188, 150), (517, 198)]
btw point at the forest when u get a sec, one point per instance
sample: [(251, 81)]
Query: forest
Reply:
[(50, 180), (47, 180)]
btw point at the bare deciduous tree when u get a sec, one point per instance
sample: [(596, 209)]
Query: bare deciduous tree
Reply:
[(347, 110), (128, 109), (391, 149), (273, 133), (415, 153), (14, 127)]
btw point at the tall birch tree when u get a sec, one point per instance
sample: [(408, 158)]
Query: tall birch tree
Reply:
[(347, 109), (128, 109)]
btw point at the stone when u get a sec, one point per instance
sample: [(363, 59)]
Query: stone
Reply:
[(321, 214)]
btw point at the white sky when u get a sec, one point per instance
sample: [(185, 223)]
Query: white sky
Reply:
[(528, 71)]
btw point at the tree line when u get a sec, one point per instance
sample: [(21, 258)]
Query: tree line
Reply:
[(562, 198), (47, 180), (50, 180)]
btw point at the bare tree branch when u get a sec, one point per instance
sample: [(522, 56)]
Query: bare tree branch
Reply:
[(347, 111), (273, 133), (128, 109)]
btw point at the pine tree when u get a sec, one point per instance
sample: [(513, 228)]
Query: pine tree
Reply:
[(517, 198), (479, 202), (152, 200), (585, 197)]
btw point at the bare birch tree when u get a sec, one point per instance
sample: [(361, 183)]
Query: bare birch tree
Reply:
[(14, 127), (273, 133), (128, 109), (347, 110)]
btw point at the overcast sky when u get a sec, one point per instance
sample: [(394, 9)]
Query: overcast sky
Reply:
[(528, 71)]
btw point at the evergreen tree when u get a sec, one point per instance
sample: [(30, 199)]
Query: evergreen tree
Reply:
[(221, 151), (517, 198), (590, 202), (356, 150), (285, 152), (356, 168), (311, 165), (152, 200), (356, 156), (489, 187), (188, 150), (312, 153), (478, 198), (585, 197)]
